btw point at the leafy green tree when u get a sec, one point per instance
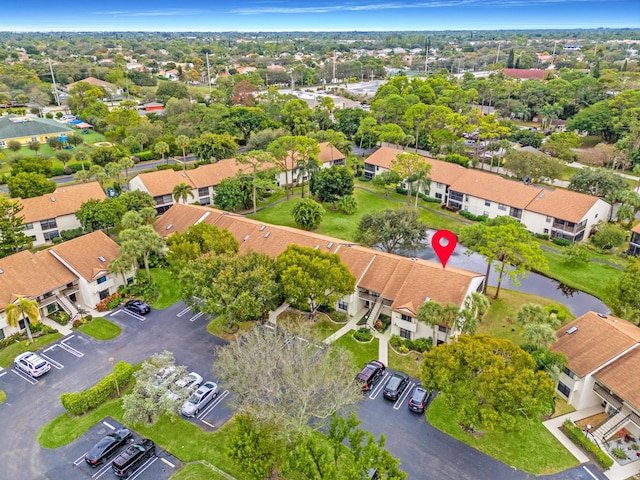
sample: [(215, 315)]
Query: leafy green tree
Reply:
[(313, 278), (136, 200), (475, 307), (34, 146), (168, 90), (623, 295), (304, 385), (597, 182), (32, 165), (411, 167), (489, 382), (229, 194), (608, 237), (214, 146), (348, 204), (295, 153), (576, 253), (296, 116), (308, 214), (23, 309), (434, 314), (28, 185), (14, 146), (197, 240), (182, 192), (507, 242), (144, 241), (560, 144), (598, 119), (103, 155), (98, 214), (254, 447), (258, 160), (392, 231), (64, 156), (12, 236), (532, 166), (261, 140), (331, 184), (539, 326), (367, 131), (155, 392), (120, 266), (248, 120), (54, 142), (388, 177)]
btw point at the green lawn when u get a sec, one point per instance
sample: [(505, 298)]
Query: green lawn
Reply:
[(218, 327), (362, 352), (7, 354), (196, 471), (101, 329), (409, 364), (500, 321), (531, 447), (169, 291), (319, 328)]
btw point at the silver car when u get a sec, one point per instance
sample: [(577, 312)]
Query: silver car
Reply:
[(199, 399), (32, 364)]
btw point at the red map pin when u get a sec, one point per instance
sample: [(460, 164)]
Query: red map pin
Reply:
[(444, 243)]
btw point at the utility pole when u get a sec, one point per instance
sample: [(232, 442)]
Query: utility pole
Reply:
[(55, 88), (595, 50), (208, 74), (553, 55), (334, 67), (426, 57), (498, 55)]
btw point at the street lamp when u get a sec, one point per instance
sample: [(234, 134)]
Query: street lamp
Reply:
[(115, 377)]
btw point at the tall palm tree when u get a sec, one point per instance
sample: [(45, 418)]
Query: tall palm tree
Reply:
[(120, 265), (161, 148), (126, 163), (182, 192), (24, 309), (257, 159), (182, 142)]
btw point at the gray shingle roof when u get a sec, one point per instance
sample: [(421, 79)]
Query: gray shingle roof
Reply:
[(12, 127)]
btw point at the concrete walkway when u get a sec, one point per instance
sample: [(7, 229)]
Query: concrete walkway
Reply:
[(352, 324), (63, 329), (616, 472), (273, 315)]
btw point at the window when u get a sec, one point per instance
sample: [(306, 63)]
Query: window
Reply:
[(546, 231), (439, 185), (487, 203), (205, 200), (102, 279), (442, 329), (485, 213), (548, 220), (2, 145), (563, 389), (48, 236), (203, 191), (405, 333), (406, 318), (342, 305), (439, 196), (502, 207), (48, 224), (28, 226), (34, 139), (466, 198), (569, 373), (103, 294)]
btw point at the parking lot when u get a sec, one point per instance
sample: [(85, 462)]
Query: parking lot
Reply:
[(72, 465)]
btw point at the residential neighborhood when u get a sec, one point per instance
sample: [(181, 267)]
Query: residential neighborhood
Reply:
[(242, 256)]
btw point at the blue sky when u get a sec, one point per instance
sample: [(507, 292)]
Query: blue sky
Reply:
[(315, 15)]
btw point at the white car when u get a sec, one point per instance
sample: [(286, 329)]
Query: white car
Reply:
[(199, 399), (32, 364), (185, 385)]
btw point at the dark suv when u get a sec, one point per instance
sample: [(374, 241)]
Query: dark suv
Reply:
[(395, 386), (418, 400), (132, 457), (370, 374)]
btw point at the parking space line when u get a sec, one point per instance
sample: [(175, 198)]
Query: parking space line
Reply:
[(102, 471), (28, 378), (167, 462), (78, 461), (130, 313), (145, 465), (589, 472), (107, 424), (378, 388), (196, 316), (217, 401), (183, 312), (53, 363), (2, 373), (403, 397), (70, 349)]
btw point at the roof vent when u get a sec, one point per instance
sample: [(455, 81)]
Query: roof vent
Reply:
[(1, 271), (601, 315), (53, 199), (170, 226), (246, 237), (316, 247), (572, 330), (427, 299), (183, 175), (262, 227), (330, 244), (102, 259), (266, 235)]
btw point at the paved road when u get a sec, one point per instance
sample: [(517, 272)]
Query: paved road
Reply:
[(425, 452)]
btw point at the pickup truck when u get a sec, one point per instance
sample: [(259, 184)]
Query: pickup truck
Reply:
[(132, 457)]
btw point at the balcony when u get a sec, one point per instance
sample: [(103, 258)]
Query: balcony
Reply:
[(99, 287), (410, 326), (569, 227), (606, 395)]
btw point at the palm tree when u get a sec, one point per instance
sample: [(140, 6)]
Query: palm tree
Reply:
[(182, 142), (257, 159), (306, 167), (113, 169), (182, 192), (126, 163), (161, 148), (25, 310), (120, 265)]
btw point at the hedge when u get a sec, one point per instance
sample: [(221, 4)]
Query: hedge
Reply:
[(80, 403), (77, 166), (147, 155), (562, 242), (471, 216), (577, 436), (362, 335)]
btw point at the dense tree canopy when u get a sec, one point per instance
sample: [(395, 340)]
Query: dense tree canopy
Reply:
[(392, 231)]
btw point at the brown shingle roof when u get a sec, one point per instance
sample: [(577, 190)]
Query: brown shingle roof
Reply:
[(495, 188), (623, 377), (162, 182), (596, 340), (525, 74), (88, 255), (30, 275), (407, 281), (383, 156), (562, 204), (213, 174), (329, 153), (63, 201), (636, 229)]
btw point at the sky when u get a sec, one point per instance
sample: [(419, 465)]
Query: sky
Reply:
[(315, 15)]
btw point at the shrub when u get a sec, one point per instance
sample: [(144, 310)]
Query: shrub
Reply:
[(348, 204), (70, 234), (77, 166), (471, 216), (60, 317), (56, 240), (109, 303), (404, 345), (562, 242), (57, 170), (362, 178), (608, 237), (147, 155), (577, 436), (82, 402), (542, 236), (362, 335), (457, 159)]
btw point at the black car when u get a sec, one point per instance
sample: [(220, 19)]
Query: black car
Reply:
[(132, 457), (395, 386), (137, 306), (418, 400), (107, 447), (370, 374)]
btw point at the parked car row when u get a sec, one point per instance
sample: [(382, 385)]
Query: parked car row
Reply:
[(373, 372), (127, 459)]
